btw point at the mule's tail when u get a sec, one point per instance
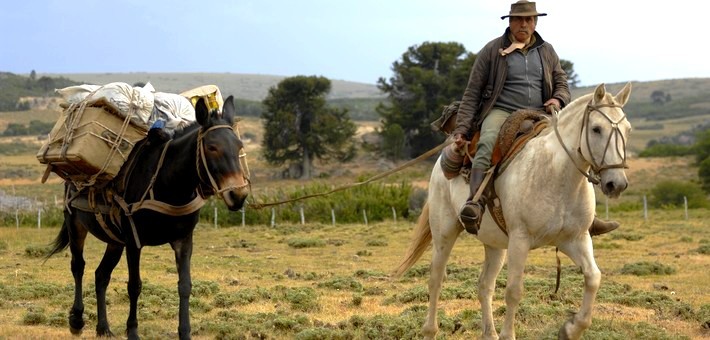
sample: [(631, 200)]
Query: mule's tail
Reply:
[(421, 240), (61, 242)]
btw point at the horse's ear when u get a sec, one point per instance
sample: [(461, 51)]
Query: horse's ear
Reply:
[(599, 93), (623, 96), (228, 110), (202, 112)]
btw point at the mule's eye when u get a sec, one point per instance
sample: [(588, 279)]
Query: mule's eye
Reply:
[(597, 130), (212, 148)]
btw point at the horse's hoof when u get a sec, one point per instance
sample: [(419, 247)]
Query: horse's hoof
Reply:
[(562, 334)]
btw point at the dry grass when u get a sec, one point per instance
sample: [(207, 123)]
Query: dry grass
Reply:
[(267, 261)]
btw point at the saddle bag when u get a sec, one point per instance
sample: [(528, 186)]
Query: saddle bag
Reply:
[(89, 143)]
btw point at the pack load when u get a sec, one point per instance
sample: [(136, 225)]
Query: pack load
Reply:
[(96, 131)]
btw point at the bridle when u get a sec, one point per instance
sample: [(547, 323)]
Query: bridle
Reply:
[(594, 173), (213, 187)]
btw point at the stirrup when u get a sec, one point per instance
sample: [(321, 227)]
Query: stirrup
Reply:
[(469, 219)]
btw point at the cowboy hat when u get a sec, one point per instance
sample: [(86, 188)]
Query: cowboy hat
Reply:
[(523, 8)]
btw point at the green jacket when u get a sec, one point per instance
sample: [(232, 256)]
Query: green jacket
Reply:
[(488, 77)]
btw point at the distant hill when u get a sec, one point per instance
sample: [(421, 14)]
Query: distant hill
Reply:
[(243, 86)]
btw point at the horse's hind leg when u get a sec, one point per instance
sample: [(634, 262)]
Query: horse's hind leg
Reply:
[(445, 231), (518, 249), (133, 258), (582, 254), (486, 288), (103, 276), (183, 254), (77, 236)]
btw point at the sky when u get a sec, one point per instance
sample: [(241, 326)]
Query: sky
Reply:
[(608, 41)]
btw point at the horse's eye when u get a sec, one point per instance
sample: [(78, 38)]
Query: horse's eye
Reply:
[(597, 130)]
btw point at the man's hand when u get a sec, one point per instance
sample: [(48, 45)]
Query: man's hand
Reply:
[(550, 103), (459, 140)]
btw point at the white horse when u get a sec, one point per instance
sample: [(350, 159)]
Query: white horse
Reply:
[(547, 197)]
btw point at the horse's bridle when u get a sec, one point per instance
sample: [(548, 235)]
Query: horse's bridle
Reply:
[(594, 173), (213, 186)]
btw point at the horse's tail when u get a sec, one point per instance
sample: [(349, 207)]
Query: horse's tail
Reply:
[(421, 240), (61, 242)]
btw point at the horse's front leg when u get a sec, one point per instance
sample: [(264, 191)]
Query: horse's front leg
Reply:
[(133, 258), (103, 276), (518, 249), (486, 288), (77, 236), (183, 254), (582, 253)]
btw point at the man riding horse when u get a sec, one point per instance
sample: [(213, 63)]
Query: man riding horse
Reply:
[(518, 70)]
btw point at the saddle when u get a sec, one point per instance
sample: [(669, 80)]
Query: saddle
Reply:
[(520, 127)]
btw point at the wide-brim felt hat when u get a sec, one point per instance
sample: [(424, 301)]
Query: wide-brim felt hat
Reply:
[(523, 8)]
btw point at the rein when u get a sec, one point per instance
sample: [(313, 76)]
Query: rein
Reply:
[(594, 173)]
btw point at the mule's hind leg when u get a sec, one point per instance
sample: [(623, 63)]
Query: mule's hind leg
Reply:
[(445, 231), (183, 254), (133, 258), (486, 289), (582, 254), (77, 236), (103, 275)]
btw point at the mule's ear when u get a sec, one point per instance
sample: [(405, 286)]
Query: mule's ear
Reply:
[(228, 110), (599, 93), (623, 96), (202, 112)]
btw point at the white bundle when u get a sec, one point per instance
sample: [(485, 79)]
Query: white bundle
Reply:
[(176, 110), (136, 102)]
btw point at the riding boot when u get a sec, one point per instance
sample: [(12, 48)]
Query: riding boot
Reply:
[(472, 212), (600, 226)]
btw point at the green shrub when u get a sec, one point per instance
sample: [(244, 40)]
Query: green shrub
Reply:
[(671, 194), (704, 249), (647, 268), (305, 243)]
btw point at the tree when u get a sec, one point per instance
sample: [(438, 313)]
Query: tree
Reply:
[(299, 127), (426, 78), (572, 77), (702, 157), (658, 97)]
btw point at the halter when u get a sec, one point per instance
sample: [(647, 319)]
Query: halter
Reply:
[(594, 174), (214, 187)]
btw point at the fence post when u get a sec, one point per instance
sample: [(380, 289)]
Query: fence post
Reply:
[(394, 214), (273, 217), (364, 215), (685, 204), (607, 206), (39, 218), (243, 218), (303, 218), (215, 217), (645, 209), (332, 215)]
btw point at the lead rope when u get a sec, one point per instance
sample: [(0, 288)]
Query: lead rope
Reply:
[(369, 180)]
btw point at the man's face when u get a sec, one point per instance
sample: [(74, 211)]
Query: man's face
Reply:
[(522, 28)]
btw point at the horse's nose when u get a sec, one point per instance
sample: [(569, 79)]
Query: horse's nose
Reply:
[(614, 188)]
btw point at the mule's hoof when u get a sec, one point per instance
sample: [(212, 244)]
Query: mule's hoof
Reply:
[(76, 324), (75, 331)]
